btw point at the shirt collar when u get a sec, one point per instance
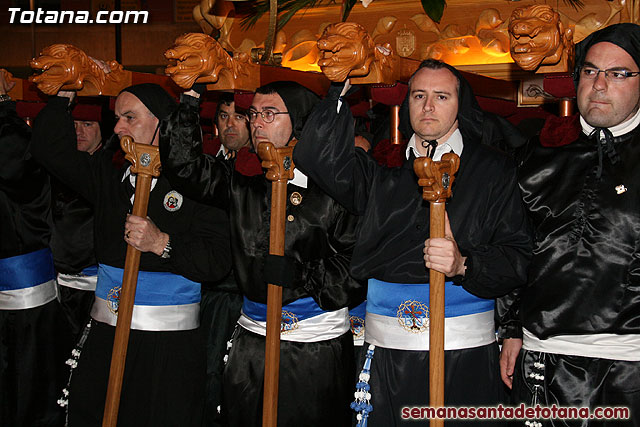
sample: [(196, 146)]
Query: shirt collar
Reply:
[(132, 180), (617, 130), (299, 178), (225, 153), (454, 143)]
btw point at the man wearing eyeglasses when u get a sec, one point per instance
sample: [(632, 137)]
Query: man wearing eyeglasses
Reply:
[(580, 312), (316, 349)]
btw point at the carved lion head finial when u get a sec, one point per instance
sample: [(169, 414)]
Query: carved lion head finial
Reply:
[(194, 55), (347, 50), (538, 37), (62, 65)]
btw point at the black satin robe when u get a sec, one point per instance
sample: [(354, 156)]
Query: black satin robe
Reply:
[(157, 360), (199, 236), (34, 341), (487, 217), (316, 378), (585, 273), (319, 239)]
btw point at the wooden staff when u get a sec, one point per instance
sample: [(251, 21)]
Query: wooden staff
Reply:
[(436, 179), (145, 162), (279, 165)]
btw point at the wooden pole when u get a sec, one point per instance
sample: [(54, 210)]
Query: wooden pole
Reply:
[(436, 179), (145, 161), (279, 165), (395, 125)]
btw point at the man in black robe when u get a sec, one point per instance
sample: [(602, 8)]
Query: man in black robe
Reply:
[(316, 352), (484, 254), (580, 312), (34, 334), (221, 300), (181, 242), (72, 221)]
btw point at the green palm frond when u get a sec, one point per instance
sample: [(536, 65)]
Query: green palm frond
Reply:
[(576, 4), (348, 5), (286, 9)]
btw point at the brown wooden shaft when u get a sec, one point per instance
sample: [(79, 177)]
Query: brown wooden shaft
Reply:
[(395, 125), (436, 319), (274, 308), (125, 309), (566, 107)]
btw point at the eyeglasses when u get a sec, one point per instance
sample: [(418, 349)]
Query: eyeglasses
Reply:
[(614, 75), (267, 115)]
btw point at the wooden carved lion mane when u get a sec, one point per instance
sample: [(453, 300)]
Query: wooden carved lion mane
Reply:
[(347, 50), (196, 55), (538, 37), (66, 67)]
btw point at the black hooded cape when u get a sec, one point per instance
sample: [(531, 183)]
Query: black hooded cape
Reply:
[(487, 217)]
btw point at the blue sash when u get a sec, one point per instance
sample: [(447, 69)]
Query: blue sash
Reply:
[(360, 310), (384, 298), (26, 271), (303, 308), (92, 270), (154, 288)]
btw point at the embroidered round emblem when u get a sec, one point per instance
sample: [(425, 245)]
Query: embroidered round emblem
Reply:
[(173, 201), (295, 198), (113, 299), (145, 159), (413, 316), (357, 326), (289, 322)]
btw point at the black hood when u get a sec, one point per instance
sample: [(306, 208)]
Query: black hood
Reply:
[(155, 98), (299, 102), (475, 124), (626, 35)]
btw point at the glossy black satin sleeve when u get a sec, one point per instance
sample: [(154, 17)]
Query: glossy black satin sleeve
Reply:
[(24, 189), (53, 144), (501, 259), (336, 166), (327, 279), (507, 315), (197, 175)]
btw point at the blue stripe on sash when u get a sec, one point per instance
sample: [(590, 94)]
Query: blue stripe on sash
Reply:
[(92, 270), (154, 288), (360, 310), (26, 271), (384, 298), (303, 308)]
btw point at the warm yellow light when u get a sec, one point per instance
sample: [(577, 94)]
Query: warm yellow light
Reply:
[(471, 51), (303, 57)]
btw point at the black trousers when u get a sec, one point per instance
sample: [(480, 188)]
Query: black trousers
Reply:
[(316, 381), (219, 312), (400, 378), (163, 382), (34, 343), (575, 381)]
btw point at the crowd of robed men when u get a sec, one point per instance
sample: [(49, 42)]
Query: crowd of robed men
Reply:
[(540, 244)]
